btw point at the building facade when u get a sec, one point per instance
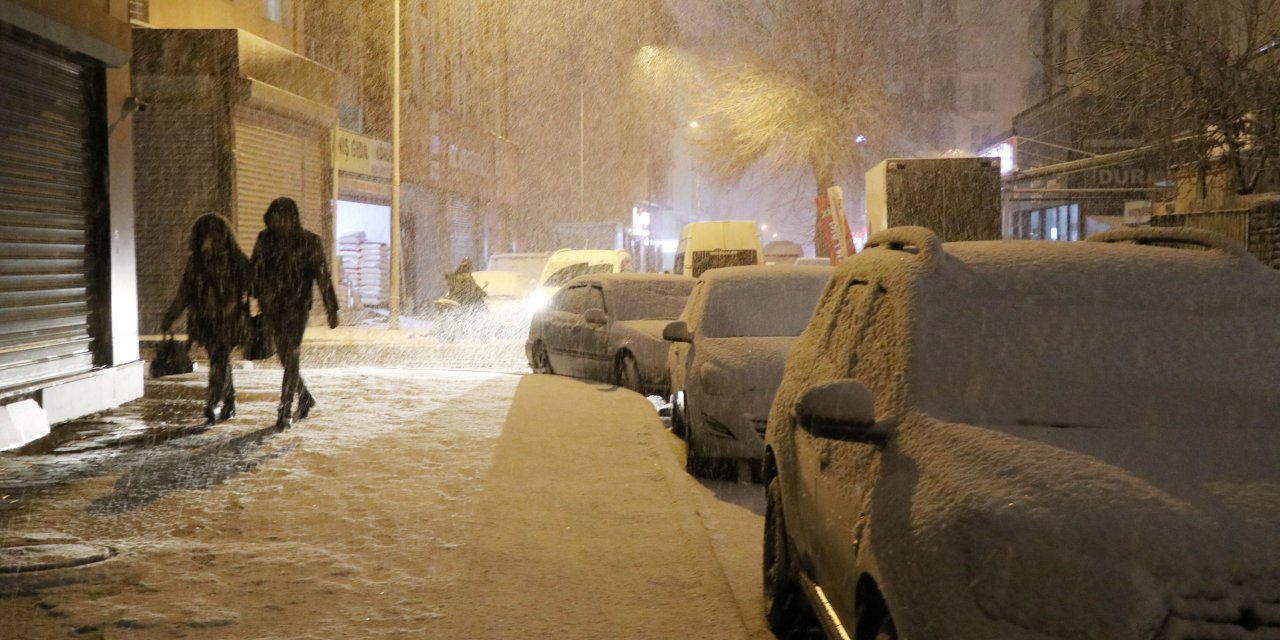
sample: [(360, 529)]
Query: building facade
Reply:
[(460, 164), (1074, 173), (237, 116), (68, 320)]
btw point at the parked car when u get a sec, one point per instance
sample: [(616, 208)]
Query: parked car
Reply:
[(1026, 439), (567, 264), (813, 262), (719, 243), (609, 328), (506, 316), (528, 266), (726, 360)]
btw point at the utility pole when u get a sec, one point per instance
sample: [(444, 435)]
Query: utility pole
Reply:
[(582, 147), (394, 302)]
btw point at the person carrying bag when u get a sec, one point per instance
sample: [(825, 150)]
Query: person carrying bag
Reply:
[(213, 293)]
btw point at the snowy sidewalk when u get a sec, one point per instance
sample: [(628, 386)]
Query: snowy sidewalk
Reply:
[(412, 504), (586, 528)]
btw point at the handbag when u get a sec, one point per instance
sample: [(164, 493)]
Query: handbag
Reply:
[(258, 343), (172, 358)]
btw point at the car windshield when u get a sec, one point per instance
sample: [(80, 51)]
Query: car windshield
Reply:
[(774, 305), (648, 299)]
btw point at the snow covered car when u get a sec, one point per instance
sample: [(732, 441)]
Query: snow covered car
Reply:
[(566, 264), (608, 328), (1031, 440), (728, 350)]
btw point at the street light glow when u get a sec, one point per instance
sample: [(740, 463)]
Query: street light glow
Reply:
[(694, 124)]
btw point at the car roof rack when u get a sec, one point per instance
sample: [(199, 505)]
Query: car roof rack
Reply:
[(1174, 238), (916, 240)]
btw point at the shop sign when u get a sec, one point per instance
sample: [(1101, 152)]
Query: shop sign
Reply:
[(354, 153)]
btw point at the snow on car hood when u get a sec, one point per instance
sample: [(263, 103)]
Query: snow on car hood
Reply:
[(744, 364), (1079, 533)]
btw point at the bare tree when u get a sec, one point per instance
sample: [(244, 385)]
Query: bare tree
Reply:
[(1200, 81), (820, 85)]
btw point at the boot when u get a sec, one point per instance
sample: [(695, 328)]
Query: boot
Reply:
[(229, 407), (283, 420), (305, 404)]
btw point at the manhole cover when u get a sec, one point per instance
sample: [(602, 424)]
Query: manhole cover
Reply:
[(42, 557)]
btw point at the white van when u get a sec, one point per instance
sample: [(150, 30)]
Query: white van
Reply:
[(725, 243), (567, 264)]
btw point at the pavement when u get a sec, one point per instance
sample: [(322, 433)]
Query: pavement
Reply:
[(574, 518), (368, 340)]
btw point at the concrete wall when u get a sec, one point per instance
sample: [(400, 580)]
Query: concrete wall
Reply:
[(233, 14)]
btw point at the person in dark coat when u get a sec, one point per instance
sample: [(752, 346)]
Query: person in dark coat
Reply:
[(462, 287), (214, 293), (287, 261)]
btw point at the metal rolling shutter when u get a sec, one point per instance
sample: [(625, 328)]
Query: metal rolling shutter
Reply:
[(45, 201), (462, 226), (276, 157)]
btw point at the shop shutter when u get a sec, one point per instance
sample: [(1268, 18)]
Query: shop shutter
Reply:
[(276, 157), (45, 203), (462, 231)]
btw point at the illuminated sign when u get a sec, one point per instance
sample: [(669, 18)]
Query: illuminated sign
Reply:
[(354, 153)]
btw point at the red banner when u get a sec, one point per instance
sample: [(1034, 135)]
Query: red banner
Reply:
[(831, 217)]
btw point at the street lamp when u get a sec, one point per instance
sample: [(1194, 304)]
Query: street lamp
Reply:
[(393, 315)]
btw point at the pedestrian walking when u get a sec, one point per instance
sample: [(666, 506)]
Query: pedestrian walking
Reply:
[(287, 261), (214, 293)]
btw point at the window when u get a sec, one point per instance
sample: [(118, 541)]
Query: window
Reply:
[(274, 10), (573, 300), (978, 134), (980, 96), (595, 298)]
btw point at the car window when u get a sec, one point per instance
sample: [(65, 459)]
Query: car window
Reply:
[(573, 300), (855, 308), (648, 299), (594, 298)]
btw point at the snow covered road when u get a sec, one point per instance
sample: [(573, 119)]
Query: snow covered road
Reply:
[(414, 503)]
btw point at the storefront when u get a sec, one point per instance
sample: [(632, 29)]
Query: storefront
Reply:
[(66, 227), (233, 122), (362, 219), (458, 197)]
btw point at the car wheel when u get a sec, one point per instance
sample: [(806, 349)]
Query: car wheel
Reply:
[(541, 361), (786, 608), (678, 426), (887, 631), (627, 374), (873, 620)]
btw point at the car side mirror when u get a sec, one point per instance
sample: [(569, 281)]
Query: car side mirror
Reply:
[(595, 316), (839, 410), (677, 331)]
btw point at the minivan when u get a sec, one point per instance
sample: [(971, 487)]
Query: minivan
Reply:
[(723, 243)]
